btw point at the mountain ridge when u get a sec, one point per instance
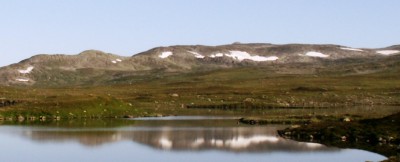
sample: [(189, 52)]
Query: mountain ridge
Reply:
[(288, 58)]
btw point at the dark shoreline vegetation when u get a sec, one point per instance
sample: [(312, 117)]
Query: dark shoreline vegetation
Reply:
[(376, 135), (251, 93)]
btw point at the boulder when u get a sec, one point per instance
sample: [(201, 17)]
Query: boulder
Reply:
[(128, 116), (174, 95), (346, 119), (21, 118)]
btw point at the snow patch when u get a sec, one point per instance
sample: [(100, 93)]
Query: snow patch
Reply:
[(165, 54), (261, 58), (388, 52), (22, 80), (316, 54), (351, 49), (26, 71), (217, 55), (116, 61), (197, 55), (240, 55)]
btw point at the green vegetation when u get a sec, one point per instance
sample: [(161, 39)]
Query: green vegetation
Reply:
[(254, 92)]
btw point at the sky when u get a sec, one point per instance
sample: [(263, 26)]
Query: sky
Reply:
[(127, 27)]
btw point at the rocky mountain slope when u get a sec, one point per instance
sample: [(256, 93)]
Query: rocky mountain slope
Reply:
[(96, 67)]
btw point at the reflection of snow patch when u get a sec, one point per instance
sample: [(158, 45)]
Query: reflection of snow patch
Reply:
[(22, 80), (116, 137), (114, 62), (388, 52), (219, 143), (165, 143), (165, 54), (198, 142), (316, 54), (197, 55), (242, 142), (27, 71), (351, 49), (313, 145)]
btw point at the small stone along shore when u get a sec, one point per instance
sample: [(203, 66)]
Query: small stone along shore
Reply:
[(21, 118)]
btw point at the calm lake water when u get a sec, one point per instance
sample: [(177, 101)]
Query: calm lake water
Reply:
[(170, 139)]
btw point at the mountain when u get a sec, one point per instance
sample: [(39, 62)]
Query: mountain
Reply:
[(96, 67)]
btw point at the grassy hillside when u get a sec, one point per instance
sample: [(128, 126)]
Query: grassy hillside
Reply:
[(240, 92)]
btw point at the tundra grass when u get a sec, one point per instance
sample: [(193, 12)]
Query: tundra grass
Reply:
[(264, 94)]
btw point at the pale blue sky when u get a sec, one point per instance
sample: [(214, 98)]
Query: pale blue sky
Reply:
[(126, 27)]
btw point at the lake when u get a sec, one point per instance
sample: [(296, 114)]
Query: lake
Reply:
[(167, 139)]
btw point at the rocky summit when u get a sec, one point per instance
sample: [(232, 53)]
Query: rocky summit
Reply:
[(96, 67)]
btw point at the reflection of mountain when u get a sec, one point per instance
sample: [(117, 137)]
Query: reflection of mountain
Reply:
[(87, 138), (248, 139), (235, 139)]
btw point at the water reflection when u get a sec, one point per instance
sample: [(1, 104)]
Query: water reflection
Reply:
[(228, 139), (162, 140), (176, 135)]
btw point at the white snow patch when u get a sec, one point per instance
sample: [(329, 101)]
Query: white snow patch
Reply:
[(197, 55), (165, 143), (22, 80), (240, 55), (388, 52), (26, 71), (351, 49), (316, 54), (165, 54), (217, 55), (116, 61), (261, 58)]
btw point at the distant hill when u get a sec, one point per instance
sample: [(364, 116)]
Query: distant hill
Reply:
[(96, 67)]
